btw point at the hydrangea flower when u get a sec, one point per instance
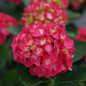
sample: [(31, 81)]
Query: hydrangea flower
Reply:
[(5, 22), (62, 4), (45, 48), (18, 2), (45, 13), (81, 34), (76, 4)]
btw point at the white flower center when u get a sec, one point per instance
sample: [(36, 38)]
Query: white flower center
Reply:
[(47, 62), (48, 48)]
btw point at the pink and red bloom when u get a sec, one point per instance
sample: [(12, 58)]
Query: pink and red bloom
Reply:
[(5, 22), (76, 4), (62, 4), (81, 34), (45, 48), (44, 12)]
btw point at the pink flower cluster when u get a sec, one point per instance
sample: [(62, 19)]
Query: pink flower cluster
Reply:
[(62, 4), (76, 4), (43, 45), (44, 12), (5, 22), (18, 2), (81, 34), (45, 48)]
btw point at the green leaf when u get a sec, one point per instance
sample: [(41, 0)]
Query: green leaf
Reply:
[(80, 50), (71, 30), (73, 15), (5, 52), (78, 74), (14, 30), (26, 2), (71, 84), (9, 78), (28, 80)]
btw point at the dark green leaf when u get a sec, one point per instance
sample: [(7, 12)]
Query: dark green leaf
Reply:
[(5, 52), (80, 50), (9, 78), (14, 30), (28, 80), (71, 84), (43, 84), (78, 74)]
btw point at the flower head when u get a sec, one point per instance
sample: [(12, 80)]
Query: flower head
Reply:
[(62, 4), (76, 4), (44, 12), (81, 34), (45, 48), (5, 22)]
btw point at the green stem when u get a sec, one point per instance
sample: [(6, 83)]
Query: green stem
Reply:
[(39, 83)]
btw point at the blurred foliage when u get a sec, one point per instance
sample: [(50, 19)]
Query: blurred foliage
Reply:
[(80, 50), (77, 75), (73, 15), (26, 2), (5, 52), (9, 78)]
